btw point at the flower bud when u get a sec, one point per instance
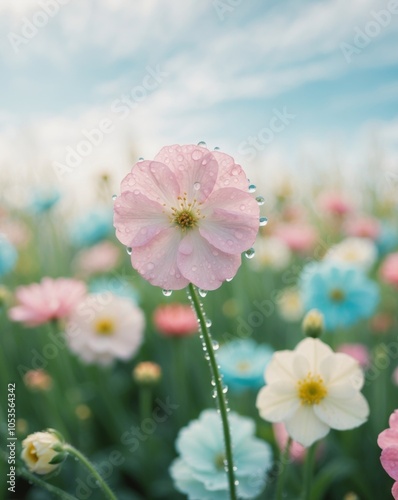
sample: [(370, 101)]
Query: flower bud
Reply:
[(42, 452), (147, 373), (313, 324)]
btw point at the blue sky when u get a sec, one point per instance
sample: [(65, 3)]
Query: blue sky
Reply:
[(227, 65)]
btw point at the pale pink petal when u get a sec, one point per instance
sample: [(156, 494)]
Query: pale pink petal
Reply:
[(341, 412), (305, 427), (341, 368), (195, 168), (230, 174), (157, 260), (231, 220), (315, 351), (202, 264), (138, 219), (154, 180), (393, 420), (394, 491), (277, 405), (281, 368), (389, 437), (389, 460)]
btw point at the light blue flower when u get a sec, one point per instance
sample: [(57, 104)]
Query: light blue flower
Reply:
[(199, 471), (44, 200), (243, 363), (387, 239), (342, 293), (92, 227), (116, 285), (8, 256)]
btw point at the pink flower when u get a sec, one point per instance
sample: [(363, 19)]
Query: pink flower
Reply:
[(388, 442), (175, 320), (334, 203), (297, 451), (363, 227), (389, 269), (48, 300), (357, 351), (100, 258), (187, 216), (298, 236)]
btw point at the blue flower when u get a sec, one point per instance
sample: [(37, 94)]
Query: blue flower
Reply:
[(199, 471), (43, 201), (115, 285), (92, 227), (243, 363), (387, 240), (342, 293), (8, 256)]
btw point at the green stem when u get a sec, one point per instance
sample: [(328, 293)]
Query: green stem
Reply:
[(101, 483), (222, 403), (145, 396), (308, 471), (32, 478), (284, 462)]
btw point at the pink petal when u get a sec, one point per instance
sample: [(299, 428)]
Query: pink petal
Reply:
[(389, 460), (157, 260), (389, 437), (394, 491), (203, 265), (231, 220), (393, 420), (138, 219), (154, 180), (195, 168), (229, 173)]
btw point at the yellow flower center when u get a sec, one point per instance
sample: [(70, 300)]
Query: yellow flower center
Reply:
[(104, 326), (243, 366), (186, 215), (32, 453), (337, 295), (219, 461), (311, 389)]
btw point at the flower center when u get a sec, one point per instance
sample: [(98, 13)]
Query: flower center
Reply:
[(186, 215), (311, 389), (243, 366), (219, 461), (32, 453), (337, 295), (104, 326)]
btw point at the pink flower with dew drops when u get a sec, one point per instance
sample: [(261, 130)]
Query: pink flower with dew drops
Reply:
[(48, 300), (388, 442), (187, 216)]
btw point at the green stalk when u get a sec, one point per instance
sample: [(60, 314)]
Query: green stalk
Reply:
[(308, 471), (32, 478), (284, 461), (222, 403), (101, 483)]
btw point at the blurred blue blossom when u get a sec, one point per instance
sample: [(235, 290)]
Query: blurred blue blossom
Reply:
[(8, 255), (387, 240), (115, 285), (44, 200), (342, 293), (243, 363), (92, 227), (199, 471)]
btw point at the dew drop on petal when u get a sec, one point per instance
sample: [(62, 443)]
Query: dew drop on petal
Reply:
[(242, 207), (129, 250), (202, 144), (252, 188), (263, 221), (114, 197), (202, 293), (229, 279), (196, 186), (250, 253), (216, 148), (260, 200), (167, 293)]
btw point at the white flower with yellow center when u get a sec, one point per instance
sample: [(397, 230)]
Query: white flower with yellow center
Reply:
[(105, 327), (360, 252), (311, 390)]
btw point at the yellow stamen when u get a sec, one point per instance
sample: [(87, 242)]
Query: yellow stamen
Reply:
[(104, 326), (311, 389), (337, 295)]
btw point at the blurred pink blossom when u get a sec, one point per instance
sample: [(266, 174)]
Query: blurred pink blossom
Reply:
[(175, 320), (381, 322), (297, 451), (51, 299), (388, 442), (363, 227), (100, 258), (187, 216), (389, 269), (357, 351), (16, 231), (299, 237), (334, 203)]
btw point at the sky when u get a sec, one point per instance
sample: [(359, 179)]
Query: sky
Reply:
[(275, 84)]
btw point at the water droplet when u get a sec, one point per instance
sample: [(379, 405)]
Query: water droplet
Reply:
[(207, 357), (216, 148), (213, 382), (214, 394), (196, 186), (202, 293), (208, 322), (140, 158), (225, 389), (129, 250), (263, 221), (250, 253), (114, 197), (234, 468), (252, 188), (236, 483), (167, 293), (260, 200), (202, 144), (215, 345), (229, 279)]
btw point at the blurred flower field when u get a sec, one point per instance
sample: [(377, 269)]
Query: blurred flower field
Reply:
[(115, 364)]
